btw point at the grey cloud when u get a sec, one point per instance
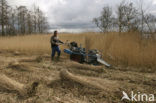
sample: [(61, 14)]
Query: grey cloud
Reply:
[(76, 13)]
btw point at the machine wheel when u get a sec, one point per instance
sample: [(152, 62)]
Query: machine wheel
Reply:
[(77, 58)]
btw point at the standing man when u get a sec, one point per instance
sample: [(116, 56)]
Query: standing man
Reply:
[(55, 42)]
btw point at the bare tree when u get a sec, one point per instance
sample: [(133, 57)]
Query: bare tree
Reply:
[(104, 22), (22, 12), (44, 24), (120, 14), (142, 16), (146, 18), (127, 17), (29, 22), (21, 20), (3, 15), (13, 20), (150, 21), (40, 21), (131, 17)]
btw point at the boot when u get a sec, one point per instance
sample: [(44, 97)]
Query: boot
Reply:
[(52, 58), (58, 58)]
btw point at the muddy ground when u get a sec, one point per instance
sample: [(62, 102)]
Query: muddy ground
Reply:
[(26, 68)]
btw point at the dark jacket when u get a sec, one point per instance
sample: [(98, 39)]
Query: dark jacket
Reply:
[(54, 40)]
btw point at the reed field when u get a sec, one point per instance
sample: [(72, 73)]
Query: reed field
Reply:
[(127, 49), (29, 76)]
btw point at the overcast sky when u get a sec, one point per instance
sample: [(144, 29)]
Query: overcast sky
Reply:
[(75, 13)]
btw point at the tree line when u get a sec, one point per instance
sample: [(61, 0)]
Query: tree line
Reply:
[(20, 20), (126, 18)]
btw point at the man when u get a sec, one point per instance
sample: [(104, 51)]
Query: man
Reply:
[(55, 42)]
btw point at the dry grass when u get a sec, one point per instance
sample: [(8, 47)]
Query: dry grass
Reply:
[(89, 81), (33, 43), (23, 90), (83, 85), (85, 67), (124, 49)]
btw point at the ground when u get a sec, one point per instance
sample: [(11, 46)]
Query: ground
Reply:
[(104, 86)]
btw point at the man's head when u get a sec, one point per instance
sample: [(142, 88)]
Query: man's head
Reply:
[(55, 33)]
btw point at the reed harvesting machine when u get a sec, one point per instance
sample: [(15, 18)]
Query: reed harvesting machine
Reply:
[(81, 55)]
